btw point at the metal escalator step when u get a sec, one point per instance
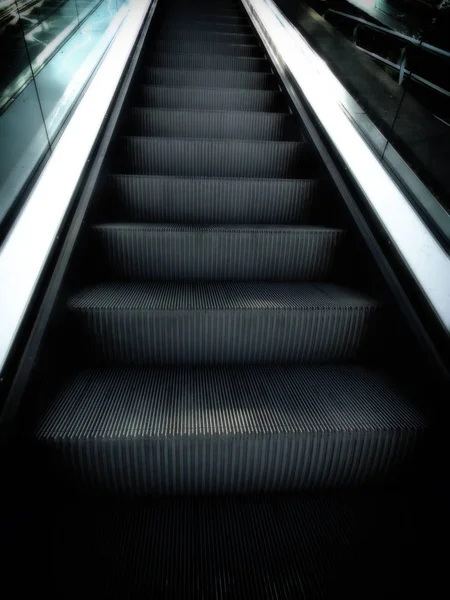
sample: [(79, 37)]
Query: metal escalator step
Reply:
[(225, 99), (208, 4), (212, 62), (213, 158), (211, 200), (203, 8), (223, 323), (127, 251), (186, 17), (212, 124), (210, 48), (205, 36), (284, 547), (230, 429), (247, 81), (213, 26), (206, 9)]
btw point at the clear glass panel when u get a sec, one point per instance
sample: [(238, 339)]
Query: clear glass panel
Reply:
[(335, 30), (23, 138), (393, 56), (48, 51), (79, 50), (422, 127)]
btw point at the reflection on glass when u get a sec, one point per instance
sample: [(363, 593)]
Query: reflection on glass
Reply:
[(48, 51), (396, 63), (23, 139), (61, 80)]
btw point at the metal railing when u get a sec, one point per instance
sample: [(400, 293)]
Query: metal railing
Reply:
[(400, 65)]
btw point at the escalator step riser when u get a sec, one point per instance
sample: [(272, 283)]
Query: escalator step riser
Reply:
[(216, 253), (208, 26), (231, 429), (260, 101), (221, 323), (242, 80), (213, 158), (213, 125), (208, 62), (222, 17), (206, 4), (186, 200), (186, 47), (206, 36)]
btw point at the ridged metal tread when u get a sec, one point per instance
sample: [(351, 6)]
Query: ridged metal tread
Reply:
[(213, 62), (238, 125), (177, 16), (221, 99), (210, 48), (204, 25), (215, 252), (210, 9), (212, 158), (205, 36), (228, 430), (224, 322), (271, 547), (210, 200), (207, 78)]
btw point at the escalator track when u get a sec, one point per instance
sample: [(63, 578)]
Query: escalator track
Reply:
[(225, 413)]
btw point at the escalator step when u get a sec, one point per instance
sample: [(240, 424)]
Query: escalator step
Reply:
[(219, 323), (212, 62), (203, 25), (206, 9), (158, 96), (214, 253), (202, 4), (284, 547), (158, 122), (209, 48), (224, 18), (188, 200), (204, 78), (231, 429), (206, 36), (213, 158)]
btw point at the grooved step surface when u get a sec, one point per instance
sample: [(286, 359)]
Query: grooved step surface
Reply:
[(212, 62), (217, 17), (192, 78), (209, 26), (205, 36), (208, 323), (212, 124), (212, 158), (211, 200), (200, 99), (284, 547), (230, 430), (126, 251), (207, 48)]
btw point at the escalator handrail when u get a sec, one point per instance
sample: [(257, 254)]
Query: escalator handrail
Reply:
[(413, 41)]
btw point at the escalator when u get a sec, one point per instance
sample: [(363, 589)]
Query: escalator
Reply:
[(220, 409)]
